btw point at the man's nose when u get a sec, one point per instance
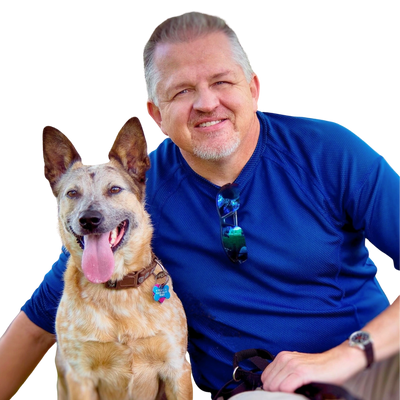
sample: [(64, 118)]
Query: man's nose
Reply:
[(206, 100)]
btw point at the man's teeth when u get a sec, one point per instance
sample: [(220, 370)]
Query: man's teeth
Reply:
[(210, 123)]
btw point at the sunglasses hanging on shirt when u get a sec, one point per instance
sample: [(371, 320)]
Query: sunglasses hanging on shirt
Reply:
[(232, 236)]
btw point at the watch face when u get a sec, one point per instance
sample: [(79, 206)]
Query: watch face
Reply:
[(360, 337)]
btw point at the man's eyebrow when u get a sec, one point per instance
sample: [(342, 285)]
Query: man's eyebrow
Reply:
[(221, 75), (185, 84)]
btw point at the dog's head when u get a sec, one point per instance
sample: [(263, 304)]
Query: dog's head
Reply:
[(101, 208)]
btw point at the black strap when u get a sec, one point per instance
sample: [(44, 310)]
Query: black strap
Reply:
[(260, 358), (248, 380)]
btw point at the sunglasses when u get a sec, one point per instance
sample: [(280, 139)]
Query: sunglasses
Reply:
[(232, 236)]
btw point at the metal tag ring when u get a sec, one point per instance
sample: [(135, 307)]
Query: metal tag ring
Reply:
[(234, 375), (162, 274)]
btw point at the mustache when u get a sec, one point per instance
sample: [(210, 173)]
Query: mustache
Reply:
[(198, 117)]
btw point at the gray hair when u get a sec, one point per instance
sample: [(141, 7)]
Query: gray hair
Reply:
[(184, 28)]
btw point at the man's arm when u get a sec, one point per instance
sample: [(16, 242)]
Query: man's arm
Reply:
[(290, 370), (21, 348), (384, 330)]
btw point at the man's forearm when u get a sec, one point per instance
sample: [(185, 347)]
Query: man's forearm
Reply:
[(291, 370), (385, 332), (21, 348)]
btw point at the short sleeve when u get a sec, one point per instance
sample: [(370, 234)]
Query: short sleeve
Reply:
[(41, 308), (375, 208)]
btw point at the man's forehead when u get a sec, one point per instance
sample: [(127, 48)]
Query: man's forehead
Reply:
[(182, 60), (197, 47)]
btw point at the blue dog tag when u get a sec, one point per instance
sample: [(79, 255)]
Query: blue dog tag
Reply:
[(160, 293)]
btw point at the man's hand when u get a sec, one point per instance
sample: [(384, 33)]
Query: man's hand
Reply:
[(290, 370)]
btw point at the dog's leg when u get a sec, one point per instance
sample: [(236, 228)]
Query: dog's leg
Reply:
[(62, 390), (62, 393), (80, 389), (146, 385), (180, 389)]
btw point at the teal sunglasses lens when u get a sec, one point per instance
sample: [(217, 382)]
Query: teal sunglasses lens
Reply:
[(232, 236), (234, 243)]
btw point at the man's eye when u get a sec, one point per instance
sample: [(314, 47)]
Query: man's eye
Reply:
[(184, 91), (221, 83)]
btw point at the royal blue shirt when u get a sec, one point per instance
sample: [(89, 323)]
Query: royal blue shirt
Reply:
[(310, 195)]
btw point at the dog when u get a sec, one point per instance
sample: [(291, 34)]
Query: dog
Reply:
[(121, 329)]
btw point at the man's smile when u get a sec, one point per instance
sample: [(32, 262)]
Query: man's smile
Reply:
[(210, 123)]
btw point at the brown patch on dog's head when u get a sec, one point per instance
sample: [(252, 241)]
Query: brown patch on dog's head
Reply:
[(130, 150), (59, 155)]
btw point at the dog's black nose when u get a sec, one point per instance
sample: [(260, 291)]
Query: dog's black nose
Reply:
[(90, 220)]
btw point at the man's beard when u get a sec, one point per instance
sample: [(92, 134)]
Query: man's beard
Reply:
[(208, 152)]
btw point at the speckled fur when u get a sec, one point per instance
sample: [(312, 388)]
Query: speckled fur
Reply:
[(113, 344)]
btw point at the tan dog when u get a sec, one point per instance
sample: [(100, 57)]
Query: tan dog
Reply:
[(117, 338)]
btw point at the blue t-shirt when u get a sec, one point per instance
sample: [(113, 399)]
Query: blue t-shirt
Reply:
[(310, 195)]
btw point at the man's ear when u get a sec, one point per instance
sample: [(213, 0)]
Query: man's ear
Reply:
[(255, 90), (153, 114)]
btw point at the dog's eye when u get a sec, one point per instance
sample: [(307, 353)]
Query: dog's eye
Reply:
[(115, 190), (72, 194)]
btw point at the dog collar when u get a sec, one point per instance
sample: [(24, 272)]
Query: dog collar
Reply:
[(134, 279)]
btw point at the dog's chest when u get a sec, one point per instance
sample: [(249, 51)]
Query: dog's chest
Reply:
[(97, 342), (106, 319)]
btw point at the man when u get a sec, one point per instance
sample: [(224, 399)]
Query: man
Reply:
[(310, 193)]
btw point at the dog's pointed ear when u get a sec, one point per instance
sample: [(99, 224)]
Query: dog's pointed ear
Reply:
[(59, 154), (130, 150)]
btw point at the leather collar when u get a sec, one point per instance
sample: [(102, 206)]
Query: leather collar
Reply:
[(134, 279)]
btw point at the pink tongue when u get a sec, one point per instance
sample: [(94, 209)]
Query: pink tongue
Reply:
[(97, 259)]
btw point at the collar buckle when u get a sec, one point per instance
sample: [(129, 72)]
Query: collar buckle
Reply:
[(133, 279)]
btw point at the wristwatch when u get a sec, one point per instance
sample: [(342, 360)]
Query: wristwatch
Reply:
[(363, 341)]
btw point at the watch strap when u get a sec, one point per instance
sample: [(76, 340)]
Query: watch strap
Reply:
[(369, 353), (364, 344)]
